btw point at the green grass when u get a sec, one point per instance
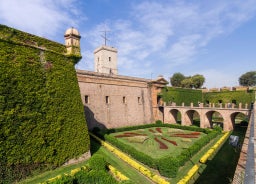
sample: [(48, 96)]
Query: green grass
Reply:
[(215, 171), (51, 174), (194, 160), (151, 147), (222, 167), (119, 164)]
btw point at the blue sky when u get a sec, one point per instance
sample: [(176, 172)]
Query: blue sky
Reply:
[(216, 39)]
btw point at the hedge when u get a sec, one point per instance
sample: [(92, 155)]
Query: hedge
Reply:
[(95, 171), (168, 166), (41, 114)]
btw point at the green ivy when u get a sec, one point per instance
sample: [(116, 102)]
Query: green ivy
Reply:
[(180, 95), (41, 114), (228, 96)]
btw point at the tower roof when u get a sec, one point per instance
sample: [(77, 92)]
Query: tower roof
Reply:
[(72, 31)]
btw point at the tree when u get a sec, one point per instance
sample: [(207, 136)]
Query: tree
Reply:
[(187, 82), (248, 79), (176, 79), (198, 81)]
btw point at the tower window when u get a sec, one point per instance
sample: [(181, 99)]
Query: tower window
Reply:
[(86, 99), (139, 100), (107, 99), (109, 58), (124, 100)]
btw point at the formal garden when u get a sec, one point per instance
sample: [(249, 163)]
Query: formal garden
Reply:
[(152, 153)]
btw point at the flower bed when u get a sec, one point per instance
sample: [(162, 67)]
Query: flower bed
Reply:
[(130, 134), (161, 144), (170, 141), (159, 130), (153, 131), (186, 135), (163, 163), (154, 177)]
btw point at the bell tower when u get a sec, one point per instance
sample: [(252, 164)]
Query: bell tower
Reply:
[(105, 60), (72, 41)]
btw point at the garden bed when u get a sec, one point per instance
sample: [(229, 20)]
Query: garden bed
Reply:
[(160, 140), (165, 147)]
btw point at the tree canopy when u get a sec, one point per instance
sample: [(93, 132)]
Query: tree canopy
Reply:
[(195, 81), (176, 79), (248, 79)]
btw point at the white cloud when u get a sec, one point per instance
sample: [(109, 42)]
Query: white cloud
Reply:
[(159, 35), (40, 17)]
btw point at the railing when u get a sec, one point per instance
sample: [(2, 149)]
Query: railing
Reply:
[(249, 177), (210, 105)]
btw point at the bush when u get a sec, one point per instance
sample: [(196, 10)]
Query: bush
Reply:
[(168, 166), (63, 180), (97, 162), (159, 122)]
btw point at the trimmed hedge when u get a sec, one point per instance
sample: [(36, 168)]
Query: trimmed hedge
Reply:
[(94, 176), (168, 166), (41, 114)]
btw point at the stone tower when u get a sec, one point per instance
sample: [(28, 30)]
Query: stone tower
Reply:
[(72, 41), (105, 60)]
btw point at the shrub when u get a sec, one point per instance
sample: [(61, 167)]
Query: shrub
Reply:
[(168, 166), (159, 122), (65, 179), (97, 162)]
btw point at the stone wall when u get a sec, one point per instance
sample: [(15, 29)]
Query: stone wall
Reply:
[(115, 101)]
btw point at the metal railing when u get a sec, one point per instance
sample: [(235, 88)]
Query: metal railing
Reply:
[(249, 177)]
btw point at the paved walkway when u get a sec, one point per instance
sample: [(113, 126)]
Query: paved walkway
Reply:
[(245, 170)]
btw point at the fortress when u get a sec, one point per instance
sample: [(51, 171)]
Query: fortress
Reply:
[(111, 100), (43, 100)]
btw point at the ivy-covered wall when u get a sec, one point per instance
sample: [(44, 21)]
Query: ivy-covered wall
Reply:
[(41, 114), (180, 95), (229, 97)]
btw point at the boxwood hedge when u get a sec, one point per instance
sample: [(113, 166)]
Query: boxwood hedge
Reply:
[(168, 166)]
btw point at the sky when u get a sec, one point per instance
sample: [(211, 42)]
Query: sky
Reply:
[(216, 39)]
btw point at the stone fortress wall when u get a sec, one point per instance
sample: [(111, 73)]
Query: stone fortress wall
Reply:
[(113, 100)]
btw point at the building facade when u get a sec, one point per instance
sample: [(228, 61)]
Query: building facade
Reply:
[(112, 100)]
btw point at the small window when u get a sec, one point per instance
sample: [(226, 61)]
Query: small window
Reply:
[(86, 99), (109, 58), (124, 100), (139, 100), (107, 99), (98, 59)]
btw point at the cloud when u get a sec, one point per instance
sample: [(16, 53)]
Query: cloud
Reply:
[(157, 36), (43, 18)]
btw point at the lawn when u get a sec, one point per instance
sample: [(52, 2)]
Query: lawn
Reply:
[(161, 140), (222, 167)]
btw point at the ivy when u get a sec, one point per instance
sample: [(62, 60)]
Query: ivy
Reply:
[(180, 95), (229, 96), (41, 114)]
